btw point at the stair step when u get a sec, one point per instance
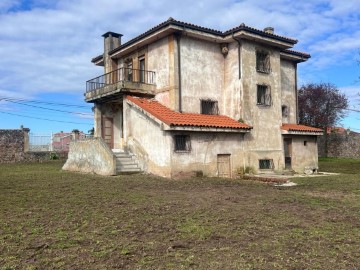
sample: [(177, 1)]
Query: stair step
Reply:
[(126, 166), (124, 158), (125, 163), (122, 154), (128, 170)]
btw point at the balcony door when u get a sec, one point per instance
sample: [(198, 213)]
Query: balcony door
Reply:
[(108, 131), (142, 69)]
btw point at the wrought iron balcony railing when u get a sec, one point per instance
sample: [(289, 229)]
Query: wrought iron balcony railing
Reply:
[(121, 74)]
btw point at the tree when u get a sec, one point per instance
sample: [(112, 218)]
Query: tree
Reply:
[(321, 105)]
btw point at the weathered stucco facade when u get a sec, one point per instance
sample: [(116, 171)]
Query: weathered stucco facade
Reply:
[(182, 71)]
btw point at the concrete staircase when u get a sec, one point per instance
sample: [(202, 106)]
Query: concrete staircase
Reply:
[(126, 163)]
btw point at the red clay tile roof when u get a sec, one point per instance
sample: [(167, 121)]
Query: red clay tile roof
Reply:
[(172, 118), (301, 128)]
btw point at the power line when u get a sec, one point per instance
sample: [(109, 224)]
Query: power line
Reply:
[(43, 102), (45, 119), (48, 108)]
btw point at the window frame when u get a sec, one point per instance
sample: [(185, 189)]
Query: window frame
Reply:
[(209, 107), (285, 112), (129, 73), (270, 165), (263, 64), (182, 143), (142, 69), (265, 95)]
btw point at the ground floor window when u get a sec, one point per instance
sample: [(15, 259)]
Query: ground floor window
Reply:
[(182, 143), (266, 164)]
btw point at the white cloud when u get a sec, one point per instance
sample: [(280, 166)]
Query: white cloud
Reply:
[(48, 46)]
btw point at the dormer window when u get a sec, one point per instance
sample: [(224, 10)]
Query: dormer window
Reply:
[(263, 61), (209, 106)]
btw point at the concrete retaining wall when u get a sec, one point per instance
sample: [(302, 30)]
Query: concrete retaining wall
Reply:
[(91, 156)]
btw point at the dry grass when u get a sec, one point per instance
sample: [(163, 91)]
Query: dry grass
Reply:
[(50, 219)]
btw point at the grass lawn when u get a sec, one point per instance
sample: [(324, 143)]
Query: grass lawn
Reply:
[(50, 219)]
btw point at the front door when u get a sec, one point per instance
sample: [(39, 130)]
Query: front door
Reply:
[(287, 152), (223, 163), (108, 131)]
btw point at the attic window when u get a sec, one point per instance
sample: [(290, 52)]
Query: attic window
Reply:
[(263, 61), (266, 164), (263, 95), (209, 106), (182, 143)]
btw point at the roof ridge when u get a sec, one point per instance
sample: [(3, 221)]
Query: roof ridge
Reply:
[(204, 29)]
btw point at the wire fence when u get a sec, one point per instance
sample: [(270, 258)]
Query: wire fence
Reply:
[(58, 142)]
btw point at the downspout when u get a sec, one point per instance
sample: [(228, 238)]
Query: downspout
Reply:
[(239, 58), (296, 95), (178, 36)]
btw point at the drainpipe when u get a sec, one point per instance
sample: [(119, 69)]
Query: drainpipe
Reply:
[(178, 36), (296, 95), (239, 58)]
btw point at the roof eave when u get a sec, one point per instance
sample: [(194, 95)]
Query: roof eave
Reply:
[(294, 56), (303, 132), (98, 60), (206, 129)]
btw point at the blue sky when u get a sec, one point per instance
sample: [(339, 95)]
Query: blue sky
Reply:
[(46, 47)]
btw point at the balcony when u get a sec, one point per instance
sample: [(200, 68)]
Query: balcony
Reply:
[(122, 80)]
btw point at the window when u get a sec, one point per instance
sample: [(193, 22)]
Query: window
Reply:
[(182, 143), (266, 164), (142, 69), (129, 71), (263, 61), (209, 106), (305, 143), (263, 95), (285, 111)]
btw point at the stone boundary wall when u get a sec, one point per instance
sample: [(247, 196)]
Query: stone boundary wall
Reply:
[(341, 145), (14, 147)]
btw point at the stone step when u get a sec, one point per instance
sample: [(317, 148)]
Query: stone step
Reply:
[(120, 162), (127, 166), (125, 163)]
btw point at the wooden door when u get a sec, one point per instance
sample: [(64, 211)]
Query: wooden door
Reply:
[(108, 131), (223, 163), (287, 152)]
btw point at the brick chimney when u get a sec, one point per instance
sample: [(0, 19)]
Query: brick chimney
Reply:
[(111, 41)]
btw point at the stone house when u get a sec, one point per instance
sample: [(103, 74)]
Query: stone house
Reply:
[(185, 99)]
